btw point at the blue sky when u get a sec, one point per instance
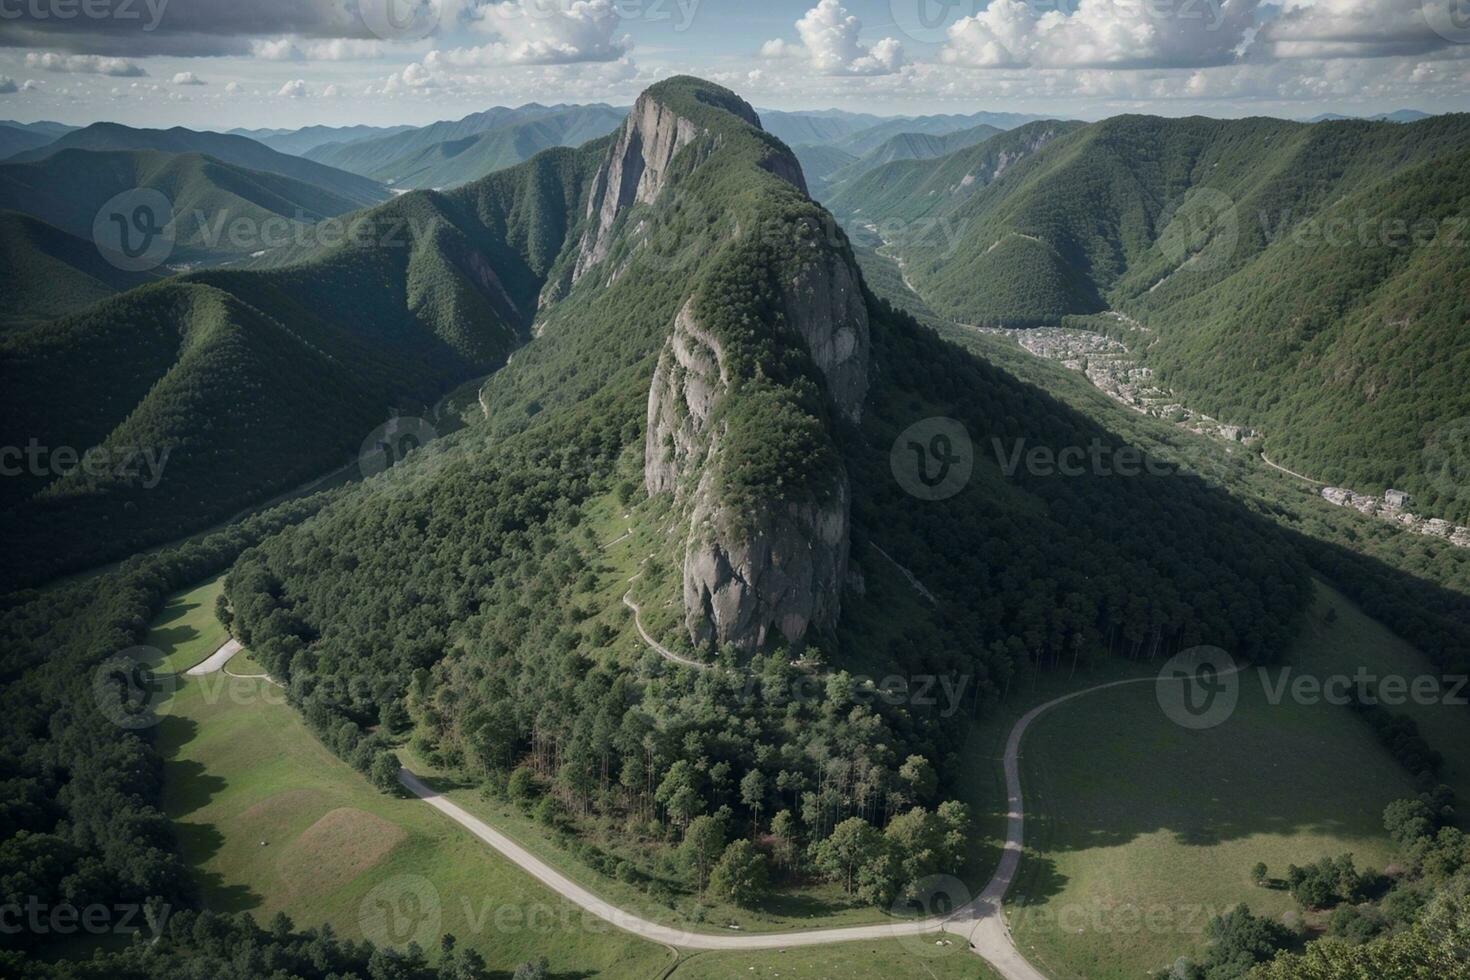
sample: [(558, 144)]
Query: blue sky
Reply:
[(287, 63)]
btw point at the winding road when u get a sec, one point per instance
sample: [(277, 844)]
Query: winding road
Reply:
[(978, 921)]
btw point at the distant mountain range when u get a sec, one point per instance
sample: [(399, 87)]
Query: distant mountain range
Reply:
[(220, 210), (903, 146), (451, 153), (17, 137), (237, 151), (302, 141), (1398, 115)]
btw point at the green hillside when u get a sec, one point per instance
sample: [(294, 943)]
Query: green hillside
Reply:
[(238, 151), (449, 154), (496, 551), (220, 211), (45, 272), (1298, 277), (254, 382)]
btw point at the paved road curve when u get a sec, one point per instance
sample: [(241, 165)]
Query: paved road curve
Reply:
[(979, 921)]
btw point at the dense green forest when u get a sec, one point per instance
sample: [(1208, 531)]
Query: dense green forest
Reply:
[(45, 272), (237, 385), (432, 601), (1299, 279)]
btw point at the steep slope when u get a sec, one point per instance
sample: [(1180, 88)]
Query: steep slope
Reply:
[(45, 272), (447, 154), (1294, 275), (237, 151), (246, 383), (220, 211)]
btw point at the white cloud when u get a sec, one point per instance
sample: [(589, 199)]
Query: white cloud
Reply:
[(534, 32), (414, 77), (1143, 34), (7, 85), (234, 88), (84, 64), (31, 85), (829, 38), (1103, 33), (294, 90), (336, 49), (332, 91), (1359, 28), (188, 78)]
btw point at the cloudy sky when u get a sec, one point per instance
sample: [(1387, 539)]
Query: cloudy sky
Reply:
[(287, 63)]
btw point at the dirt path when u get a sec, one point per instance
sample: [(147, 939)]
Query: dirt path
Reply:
[(1277, 466), (656, 646), (217, 660), (980, 921)]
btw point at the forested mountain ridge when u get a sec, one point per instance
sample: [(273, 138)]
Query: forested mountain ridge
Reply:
[(447, 154), (245, 383), (45, 272), (220, 211), (239, 151), (904, 146), (1297, 278)]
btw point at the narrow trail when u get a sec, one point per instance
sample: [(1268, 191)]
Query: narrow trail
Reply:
[(1277, 466), (980, 921), (656, 646)]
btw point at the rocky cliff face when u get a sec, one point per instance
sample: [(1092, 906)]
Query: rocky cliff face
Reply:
[(750, 575), (634, 173)]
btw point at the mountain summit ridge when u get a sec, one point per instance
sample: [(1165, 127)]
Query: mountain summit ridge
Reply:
[(774, 331)]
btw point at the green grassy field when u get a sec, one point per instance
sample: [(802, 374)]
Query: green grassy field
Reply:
[(273, 822), (1138, 830), (916, 958)]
